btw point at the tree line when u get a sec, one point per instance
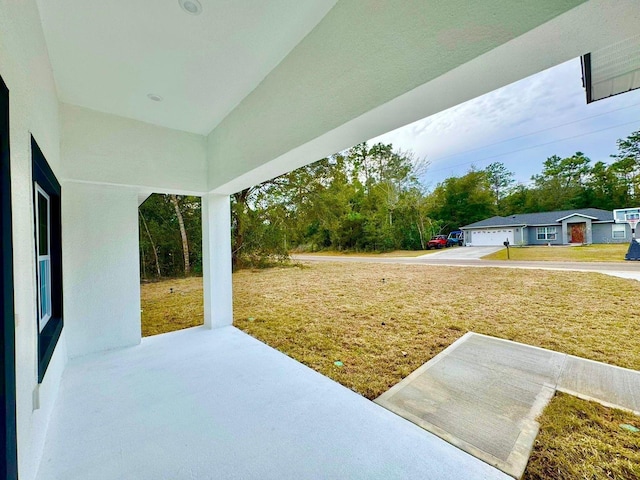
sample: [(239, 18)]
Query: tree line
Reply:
[(370, 198)]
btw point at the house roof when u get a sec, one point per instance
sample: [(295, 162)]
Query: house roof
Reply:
[(543, 218)]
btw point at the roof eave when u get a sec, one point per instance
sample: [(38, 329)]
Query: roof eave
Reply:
[(576, 215), (470, 227)]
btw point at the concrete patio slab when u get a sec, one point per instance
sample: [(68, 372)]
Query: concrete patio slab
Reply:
[(218, 404), (484, 394)]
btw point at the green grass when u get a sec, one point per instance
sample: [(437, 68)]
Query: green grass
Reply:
[(584, 440), (581, 253)]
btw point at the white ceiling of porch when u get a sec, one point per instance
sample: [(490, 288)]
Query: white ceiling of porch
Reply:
[(109, 55)]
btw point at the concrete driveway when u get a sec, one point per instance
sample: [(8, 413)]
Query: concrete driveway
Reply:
[(462, 253)]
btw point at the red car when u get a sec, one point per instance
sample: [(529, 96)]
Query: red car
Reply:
[(439, 241)]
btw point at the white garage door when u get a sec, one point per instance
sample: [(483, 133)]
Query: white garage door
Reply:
[(491, 237)]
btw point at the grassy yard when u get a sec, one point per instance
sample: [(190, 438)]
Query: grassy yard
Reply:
[(580, 439), (581, 253), (384, 321), (171, 305)]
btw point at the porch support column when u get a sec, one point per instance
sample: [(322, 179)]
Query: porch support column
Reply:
[(216, 260)]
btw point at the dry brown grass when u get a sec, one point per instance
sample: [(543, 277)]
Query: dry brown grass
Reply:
[(382, 331), (579, 253), (580, 439), (171, 304)]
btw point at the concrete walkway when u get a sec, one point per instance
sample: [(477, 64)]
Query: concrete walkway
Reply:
[(218, 404), (483, 395)]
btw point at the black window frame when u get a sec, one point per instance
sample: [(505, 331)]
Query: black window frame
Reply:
[(47, 181), (8, 435)]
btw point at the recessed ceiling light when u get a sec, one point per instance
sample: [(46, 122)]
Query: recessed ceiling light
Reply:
[(154, 97), (192, 7)]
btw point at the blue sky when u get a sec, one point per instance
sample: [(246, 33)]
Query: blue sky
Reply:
[(520, 125)]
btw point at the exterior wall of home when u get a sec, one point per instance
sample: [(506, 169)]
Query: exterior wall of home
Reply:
[(566, 229), (101, 269), (595, 233), (532, 236), (108, 149), (25, 68), (603, 233)]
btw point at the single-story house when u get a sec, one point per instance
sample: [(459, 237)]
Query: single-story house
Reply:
[(584, 225)]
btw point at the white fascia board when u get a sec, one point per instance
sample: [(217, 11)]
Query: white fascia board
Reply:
[(576, 215), (494, 226)]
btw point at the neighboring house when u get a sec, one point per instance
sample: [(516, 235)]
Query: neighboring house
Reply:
[(584, 226), (104, 103)]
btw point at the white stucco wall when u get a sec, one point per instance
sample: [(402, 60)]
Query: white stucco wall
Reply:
[(25, 68), (108, 149), (101, 267)]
